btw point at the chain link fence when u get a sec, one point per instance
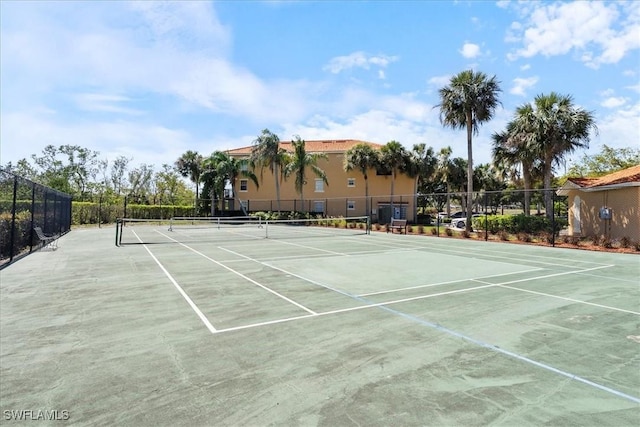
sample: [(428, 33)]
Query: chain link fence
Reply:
[(24, 205)]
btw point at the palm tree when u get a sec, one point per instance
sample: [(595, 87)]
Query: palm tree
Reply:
[(298, 163), (363, 158), (394, 157), (266, 152), (553, 128), (444, 172), (469, 100), (423, 163), (231, 168), (189, 165), (511, 150), (213, 181)]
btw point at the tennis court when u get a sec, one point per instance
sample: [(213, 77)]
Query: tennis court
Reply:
[(239, 325)]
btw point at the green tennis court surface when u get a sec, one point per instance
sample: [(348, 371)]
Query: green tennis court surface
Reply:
[(226, 327)]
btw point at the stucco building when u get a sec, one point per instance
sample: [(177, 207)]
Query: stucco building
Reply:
[(606, 206), (344, 195)]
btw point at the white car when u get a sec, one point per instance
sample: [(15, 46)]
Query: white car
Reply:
[(462, 222)]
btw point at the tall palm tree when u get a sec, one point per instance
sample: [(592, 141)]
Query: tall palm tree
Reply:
[(189, 165), (363, 158), (267, 153), (469, 100), (554, 128), (300, 160), (395, 157)]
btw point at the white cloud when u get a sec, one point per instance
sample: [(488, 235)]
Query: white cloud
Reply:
[(619, 128), (635, 88), (613, 102), (105, 103), (588, 28), (147, 143), (470, 50), (357, 60), (525, 67), (439, 81), (520, 85)]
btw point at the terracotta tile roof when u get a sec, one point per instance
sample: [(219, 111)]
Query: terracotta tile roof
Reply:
[(624, 176), (313, 146)]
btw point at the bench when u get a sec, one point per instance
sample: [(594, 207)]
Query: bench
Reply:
[(46, 239), (397, 224)]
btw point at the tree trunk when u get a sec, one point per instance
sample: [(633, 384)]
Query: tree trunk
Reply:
[(548, 197), (275, 174), (526, 177)]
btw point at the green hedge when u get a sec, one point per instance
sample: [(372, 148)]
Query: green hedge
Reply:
[(517, 224), (22, 233), (94, 213)]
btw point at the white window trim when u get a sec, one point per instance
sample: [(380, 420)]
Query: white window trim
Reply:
[(246, 181), (351, 182), (319, 183), (351, 205)]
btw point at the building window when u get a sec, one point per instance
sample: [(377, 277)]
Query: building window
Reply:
[(244, 184), (351, 182), (351, 205), (319, 185), (318, 207)]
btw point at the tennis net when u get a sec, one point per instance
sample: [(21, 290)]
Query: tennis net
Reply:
[(216, 229)]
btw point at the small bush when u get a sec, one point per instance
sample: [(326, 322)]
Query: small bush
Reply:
[(465, 234), (625, 242), (409, 229), (503, 235), (434, 231), (448, 232), (377, 226), (524, 237), (420, 229), (606, 242)]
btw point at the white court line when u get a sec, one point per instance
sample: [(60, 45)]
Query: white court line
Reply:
[(635, 282), (289, 300), (446, 283), (571, 299), (346, 310), (313, 248), (564, 273), (487, 252), (314, 282), (504, 285), (193, 305)]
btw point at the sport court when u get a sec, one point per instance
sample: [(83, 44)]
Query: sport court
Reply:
[(315, 326)]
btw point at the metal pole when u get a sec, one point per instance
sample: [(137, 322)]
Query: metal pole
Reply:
[(553, 218)]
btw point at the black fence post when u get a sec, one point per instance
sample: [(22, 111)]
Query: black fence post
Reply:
[(33, 209), (13, 218), (486, 217), (553, 218)]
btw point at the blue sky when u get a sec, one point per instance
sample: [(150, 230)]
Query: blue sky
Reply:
[(152, 80)]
